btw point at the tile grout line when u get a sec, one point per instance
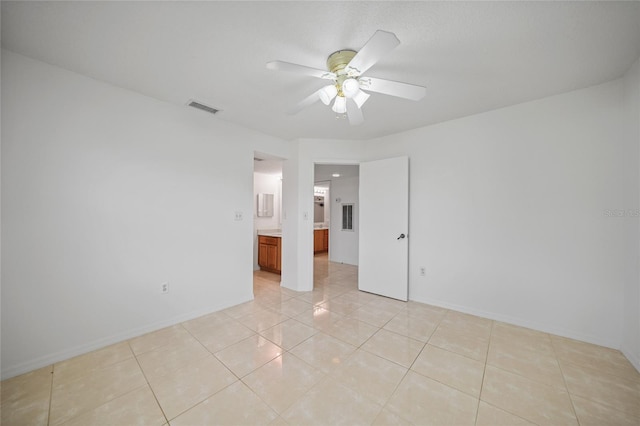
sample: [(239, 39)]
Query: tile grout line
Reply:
[(135, 356), (294, 346), (395, 389), (515, 374), (484, 372), (200, 402), (326, 376), (443, 383), (564, 380), (257, 396), (82, 413), (53, 366), (238, 378), (589, 367)]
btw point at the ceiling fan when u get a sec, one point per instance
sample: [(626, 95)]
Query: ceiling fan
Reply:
[(349, 87)]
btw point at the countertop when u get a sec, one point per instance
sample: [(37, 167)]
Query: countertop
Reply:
[(271, 234), (277, 233)]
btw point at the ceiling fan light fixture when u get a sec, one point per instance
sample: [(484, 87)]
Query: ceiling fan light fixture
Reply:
[(340, 105), (360, 98), (327, 93), (350, 87), (345, 69)]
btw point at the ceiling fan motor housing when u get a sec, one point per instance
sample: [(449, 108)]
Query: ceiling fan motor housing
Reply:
[(336, 63)]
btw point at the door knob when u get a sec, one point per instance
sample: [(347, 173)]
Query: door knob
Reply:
[(401, 236)]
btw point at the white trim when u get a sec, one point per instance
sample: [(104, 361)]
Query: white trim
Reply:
[(633, 358)]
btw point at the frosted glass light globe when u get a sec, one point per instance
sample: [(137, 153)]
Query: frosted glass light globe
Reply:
[(340, 105), (327, 93), (350, 87)]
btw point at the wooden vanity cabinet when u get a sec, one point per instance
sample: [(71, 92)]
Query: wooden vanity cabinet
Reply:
[(320, 240), (269, 258)]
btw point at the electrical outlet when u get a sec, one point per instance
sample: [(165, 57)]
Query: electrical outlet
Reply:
[(238, 215), (423, 271), (164, 287)]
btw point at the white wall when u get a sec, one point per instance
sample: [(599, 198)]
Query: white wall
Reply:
[(343, 245), (508, 213), (105, 195), (266, 184), (327, 207), (292, 223), (631, 337)]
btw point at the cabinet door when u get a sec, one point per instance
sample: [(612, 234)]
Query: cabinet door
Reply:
[(272, 257), (263, 255), (325, 240), (318, 241)]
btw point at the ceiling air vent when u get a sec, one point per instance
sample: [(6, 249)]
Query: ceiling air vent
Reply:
[(202, 106)]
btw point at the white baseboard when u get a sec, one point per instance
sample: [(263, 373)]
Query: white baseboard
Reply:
[(634, 359), (546, 328), (43, 361)]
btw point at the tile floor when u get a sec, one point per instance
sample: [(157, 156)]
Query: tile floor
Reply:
[(332, 356)]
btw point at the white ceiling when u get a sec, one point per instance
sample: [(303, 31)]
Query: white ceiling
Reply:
[(471, 56)]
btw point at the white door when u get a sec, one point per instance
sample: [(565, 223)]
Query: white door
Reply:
[(383, 257)]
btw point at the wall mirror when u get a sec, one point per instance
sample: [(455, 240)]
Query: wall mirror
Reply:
[(318, 209), (265, 205)]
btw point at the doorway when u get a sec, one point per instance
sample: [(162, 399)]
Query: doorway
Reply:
[(381, 246), (267, 219), (336, 187)]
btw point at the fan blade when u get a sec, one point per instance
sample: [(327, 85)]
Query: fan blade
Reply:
[(309, 100), (300, 69), (381, 43), (354, 113), (393, 88)]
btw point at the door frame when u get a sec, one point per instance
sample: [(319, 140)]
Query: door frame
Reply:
[(329, 162), (267, 156)]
